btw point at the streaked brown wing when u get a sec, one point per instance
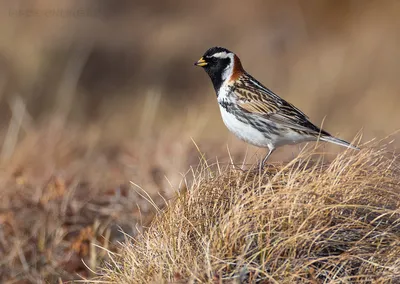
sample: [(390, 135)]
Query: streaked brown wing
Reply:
[(265, 103), (265, 107)]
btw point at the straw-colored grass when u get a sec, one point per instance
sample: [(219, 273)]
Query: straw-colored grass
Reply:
[(304, 222)]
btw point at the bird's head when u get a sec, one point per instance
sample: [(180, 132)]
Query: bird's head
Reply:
[(221, 65)]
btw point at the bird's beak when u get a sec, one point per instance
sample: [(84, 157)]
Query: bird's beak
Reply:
[(201, 62)]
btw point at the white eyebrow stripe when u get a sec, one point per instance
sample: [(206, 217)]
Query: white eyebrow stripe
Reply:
[(222, 54)]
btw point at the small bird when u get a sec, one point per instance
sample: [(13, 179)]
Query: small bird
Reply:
[(253, 112)]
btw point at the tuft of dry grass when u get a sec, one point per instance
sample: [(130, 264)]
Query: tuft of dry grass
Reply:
[(307, 221)]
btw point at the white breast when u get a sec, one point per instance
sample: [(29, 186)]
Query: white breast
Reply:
[(242, 130)]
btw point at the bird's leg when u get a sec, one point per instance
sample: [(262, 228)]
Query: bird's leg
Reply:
[(262, 163)]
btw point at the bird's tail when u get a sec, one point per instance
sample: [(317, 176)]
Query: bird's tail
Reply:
[(338, 141)]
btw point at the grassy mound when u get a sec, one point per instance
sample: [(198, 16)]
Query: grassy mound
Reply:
[(303, 222)]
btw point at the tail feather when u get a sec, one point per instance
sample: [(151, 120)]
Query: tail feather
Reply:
[(338, 141)]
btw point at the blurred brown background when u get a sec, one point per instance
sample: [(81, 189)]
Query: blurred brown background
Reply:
[(106, 92), (103, 74), (100, 61)]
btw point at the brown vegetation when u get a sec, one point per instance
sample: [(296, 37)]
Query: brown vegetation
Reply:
[(92, 102), (303, 222)]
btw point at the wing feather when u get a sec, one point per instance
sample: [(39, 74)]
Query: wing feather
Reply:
[(261, 101)]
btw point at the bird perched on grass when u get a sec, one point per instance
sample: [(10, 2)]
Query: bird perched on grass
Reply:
[(253, 112)]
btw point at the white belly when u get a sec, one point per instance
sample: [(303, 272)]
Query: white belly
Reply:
[(244, 131), (251, 135)]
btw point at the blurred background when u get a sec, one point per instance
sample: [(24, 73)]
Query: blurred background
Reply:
[(95, 94)]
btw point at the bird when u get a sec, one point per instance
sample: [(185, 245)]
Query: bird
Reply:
[(254, 113)]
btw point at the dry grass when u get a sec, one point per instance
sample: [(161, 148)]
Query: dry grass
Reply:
[(303, 222)]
